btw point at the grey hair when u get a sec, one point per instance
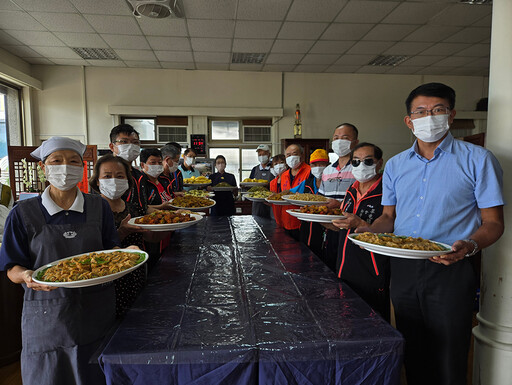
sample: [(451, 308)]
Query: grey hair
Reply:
[(170, 151)]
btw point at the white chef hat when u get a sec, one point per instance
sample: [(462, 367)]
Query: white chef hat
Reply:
[(56, 143)]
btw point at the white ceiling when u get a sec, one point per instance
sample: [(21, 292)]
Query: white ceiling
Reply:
[(341, 36)]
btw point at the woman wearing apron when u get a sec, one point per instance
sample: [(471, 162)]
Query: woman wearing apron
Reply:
[(61, 328)]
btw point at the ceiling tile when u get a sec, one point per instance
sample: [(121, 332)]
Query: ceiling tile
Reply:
[(136, 55), (462, 14), (174, 56), (445, 48), (319, 59), (423, 61), (295, 30), (337, 31), (36, 38), (455, 61), (252, 45), (407, 48), (142, 64), (310, 68), (257, 29), (212, 66), (389, 32), (73, 39), (414, 13), (70, 62), (126, 41), (169, 43), (212, 57), (475, 50), (485, 22), (46, 5), (124, 25), (163, 27), (210, 9), (434, 71), (57, 52), (6, 5), (404, 70), (211, 45), (292, 46), (307, 10), (63, 22), (369, 47), (110, 7), (210, 28), (470, 35), (462, 71), (342, 69), (284, 58), (20, 21), (245, 67), (373, 69), (38, 60), (262, 9), (482, 62), (178, 66), (6, 39), (365, 11), (432, 33), (353, 60), (106, 63), (327, 46), (279, 67), (22, 51)]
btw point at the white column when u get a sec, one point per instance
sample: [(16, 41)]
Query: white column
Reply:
[(493, 335)]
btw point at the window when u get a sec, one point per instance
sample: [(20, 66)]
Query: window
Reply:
[(172, 134), (257, 134), (144, 126), (232, 156), (249, 160), (225, 130), (10, 125), (159, 130)]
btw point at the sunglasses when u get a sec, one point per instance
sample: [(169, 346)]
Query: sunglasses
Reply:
[(367, 162)]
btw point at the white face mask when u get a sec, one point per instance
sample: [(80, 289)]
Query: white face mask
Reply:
[(341, 147), (113, 188), (293, 161), (154, 170), (173, 168), (263, 159), (431, 128), (278, 169), (317, 171), (364, 173), (64, 177), (190, 160), (128, 152)]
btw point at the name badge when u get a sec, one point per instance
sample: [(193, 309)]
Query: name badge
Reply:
[(69, 234)]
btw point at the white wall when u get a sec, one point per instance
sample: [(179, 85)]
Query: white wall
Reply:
[(374, 103)]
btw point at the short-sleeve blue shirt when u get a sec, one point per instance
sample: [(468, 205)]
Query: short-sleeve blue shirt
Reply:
[(15, 245), (441, 198)]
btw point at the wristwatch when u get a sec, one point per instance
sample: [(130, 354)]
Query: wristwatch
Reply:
[(475, 247)]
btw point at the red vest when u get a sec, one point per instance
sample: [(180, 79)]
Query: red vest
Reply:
[(275, 188), (289, 222)]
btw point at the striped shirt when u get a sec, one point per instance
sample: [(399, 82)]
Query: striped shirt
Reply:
[(336, 181)]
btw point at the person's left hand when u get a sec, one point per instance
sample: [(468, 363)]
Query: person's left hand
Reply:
[(351, 221), (459, 249), (125, 228)]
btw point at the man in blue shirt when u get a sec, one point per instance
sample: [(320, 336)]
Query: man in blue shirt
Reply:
[(449, 191)]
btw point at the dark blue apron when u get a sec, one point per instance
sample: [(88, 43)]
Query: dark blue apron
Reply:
[(261, 209), (62, 328)]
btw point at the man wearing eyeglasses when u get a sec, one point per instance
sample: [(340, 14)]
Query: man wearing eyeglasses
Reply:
[(449, 191)]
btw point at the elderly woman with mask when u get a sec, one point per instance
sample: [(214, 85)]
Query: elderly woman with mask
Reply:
[(61, 328), (366, 272)]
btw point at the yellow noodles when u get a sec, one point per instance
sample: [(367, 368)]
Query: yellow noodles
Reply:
[(391, 240), (92, 265)]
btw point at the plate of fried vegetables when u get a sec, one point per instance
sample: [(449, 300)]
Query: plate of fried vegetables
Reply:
[(192, 203), (305, 199), (166, 220), (320, 214), (399, 246)]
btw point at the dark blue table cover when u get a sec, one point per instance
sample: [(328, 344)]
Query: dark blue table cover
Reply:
[(234, 300)]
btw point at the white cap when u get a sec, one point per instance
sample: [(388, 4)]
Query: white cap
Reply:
[(56, 143), (263, 147)]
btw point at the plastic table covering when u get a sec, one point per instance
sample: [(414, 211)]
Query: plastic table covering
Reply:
[(234, 300)]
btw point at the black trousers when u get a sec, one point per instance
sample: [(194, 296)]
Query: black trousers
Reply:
[(433, 308), (332, 241)]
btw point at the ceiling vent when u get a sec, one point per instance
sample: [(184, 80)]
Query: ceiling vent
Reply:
[(95, 53), (157, 9), (388, 60), (247, 58)]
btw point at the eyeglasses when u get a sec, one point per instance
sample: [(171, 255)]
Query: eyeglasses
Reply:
[(127, 141), (433, 111), (367, 162)]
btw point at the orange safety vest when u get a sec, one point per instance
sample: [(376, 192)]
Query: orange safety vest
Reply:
[(289, 222), (278, 216)]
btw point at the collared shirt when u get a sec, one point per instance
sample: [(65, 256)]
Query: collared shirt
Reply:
[(260, 172), (336, 180), (53, 208), (441, 198)]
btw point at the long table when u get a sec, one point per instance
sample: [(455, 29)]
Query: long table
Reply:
[(234, 300)]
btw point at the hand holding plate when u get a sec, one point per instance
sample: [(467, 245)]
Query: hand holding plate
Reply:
[(459, 250)]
